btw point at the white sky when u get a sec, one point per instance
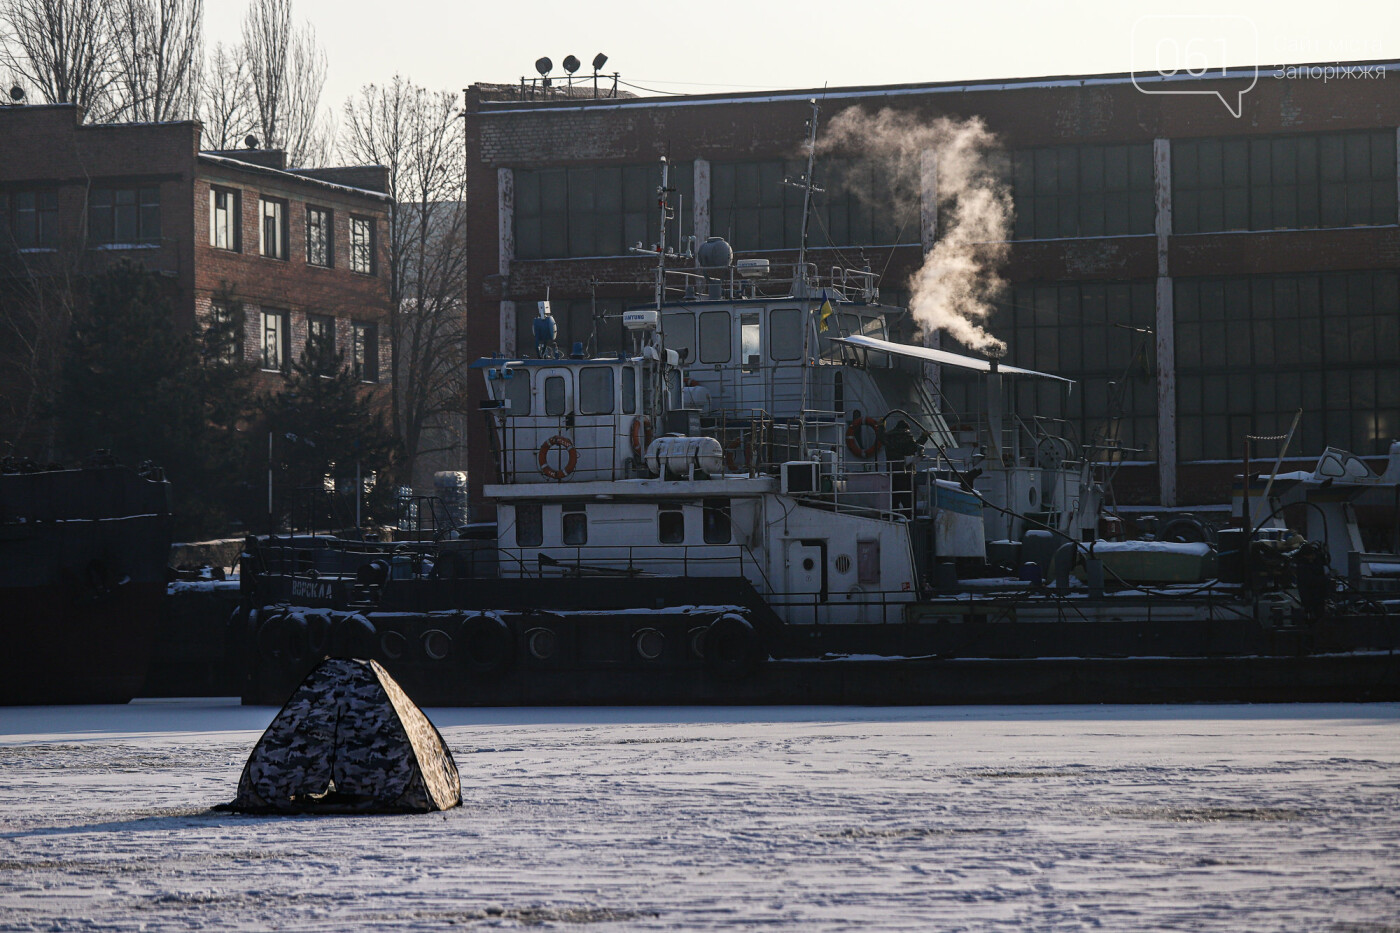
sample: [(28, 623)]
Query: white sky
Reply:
[(716, 45)]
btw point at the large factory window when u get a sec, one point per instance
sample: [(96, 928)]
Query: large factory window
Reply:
[(1251, 351), (600, 210), (1289, 182), (1082, 191), (864, 203), (1095, 333)]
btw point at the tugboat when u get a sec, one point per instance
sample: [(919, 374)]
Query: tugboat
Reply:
[(761, 501), (83, 556)]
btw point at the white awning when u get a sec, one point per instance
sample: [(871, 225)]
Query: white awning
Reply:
[(929, 355)]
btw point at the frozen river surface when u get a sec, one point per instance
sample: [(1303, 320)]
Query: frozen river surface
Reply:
[(1238, 818)]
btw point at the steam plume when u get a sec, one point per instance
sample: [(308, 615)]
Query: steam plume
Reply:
[(960, 278)]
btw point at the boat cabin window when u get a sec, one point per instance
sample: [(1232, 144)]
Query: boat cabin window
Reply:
[(554, 395), (529, 524), (629, 390), (595, 390), (575, 525), (715, 518), (715, 339), (749, 352), (516, 392), (785, 333), (678, 330), (672, 523)]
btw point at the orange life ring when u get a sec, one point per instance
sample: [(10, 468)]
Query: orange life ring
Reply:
[(641, 436), (853, 442), (563, 443)]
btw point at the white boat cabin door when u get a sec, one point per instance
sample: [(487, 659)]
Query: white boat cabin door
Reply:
[(807, 591)]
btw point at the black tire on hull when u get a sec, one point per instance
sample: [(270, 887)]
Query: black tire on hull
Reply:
[(733, 649), (485, 645)]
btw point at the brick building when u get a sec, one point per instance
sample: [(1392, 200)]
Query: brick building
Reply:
[(1257, 257), (290, 250)]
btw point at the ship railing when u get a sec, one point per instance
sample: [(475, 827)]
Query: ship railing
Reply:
[(1020, 439), (522, 442), (780, 280), (634, 560)]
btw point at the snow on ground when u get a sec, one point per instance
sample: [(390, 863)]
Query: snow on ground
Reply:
[(1233, 818)]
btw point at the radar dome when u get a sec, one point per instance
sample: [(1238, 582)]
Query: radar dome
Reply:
[(714, 253)]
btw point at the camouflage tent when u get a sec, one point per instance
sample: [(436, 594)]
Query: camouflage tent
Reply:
[(349, 740)]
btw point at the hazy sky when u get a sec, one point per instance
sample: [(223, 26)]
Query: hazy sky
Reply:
[(717, 45)]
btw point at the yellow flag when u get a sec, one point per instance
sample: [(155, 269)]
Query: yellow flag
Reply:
[(824, 314)]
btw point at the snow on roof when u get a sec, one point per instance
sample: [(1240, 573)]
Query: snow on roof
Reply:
[(308, 179)]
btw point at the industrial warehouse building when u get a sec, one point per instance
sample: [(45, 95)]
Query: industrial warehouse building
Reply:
[(1201, 276)]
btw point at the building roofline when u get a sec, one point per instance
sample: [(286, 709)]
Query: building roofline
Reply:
[(294, 176), (492, 108)]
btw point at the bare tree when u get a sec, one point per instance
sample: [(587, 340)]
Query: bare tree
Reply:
[(416, 133), (157, 51), (225, 100), (288, 71), (61, 48), (36, 315)]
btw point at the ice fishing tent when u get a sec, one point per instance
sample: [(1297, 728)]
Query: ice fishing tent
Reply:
[(349, 740)]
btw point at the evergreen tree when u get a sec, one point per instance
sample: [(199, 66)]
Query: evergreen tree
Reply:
[(322, 426), (140, 385)]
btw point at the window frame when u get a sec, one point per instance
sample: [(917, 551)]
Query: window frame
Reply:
[(280, 340), (364, 358), (314, 322), (327, 229), (363, 234), (142, 211), (232, 225), (279, 247)]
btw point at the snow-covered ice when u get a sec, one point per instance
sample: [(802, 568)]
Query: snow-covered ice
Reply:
[(1192, 818)]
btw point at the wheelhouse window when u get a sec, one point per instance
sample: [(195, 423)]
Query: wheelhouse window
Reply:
[(715, 518), (274, 340), (715, 339), (555, 398), (529, 524), (320, 343), (365, 353), (785, 333), (629, 390), (516, 392), (272, 230), (319, 237), (575, 525), (29, 219), (362, 245), (224, 219), (671, 523), (595, 390), (679, 330), (124, 215), (749, 341)]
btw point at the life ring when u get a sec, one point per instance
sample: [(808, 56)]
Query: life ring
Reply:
[(853, 441), (641, 436), (563, 443)]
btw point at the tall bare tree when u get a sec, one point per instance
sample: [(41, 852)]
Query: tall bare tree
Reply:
[(157, 51), (418, 135), (288, 71), (61, 48), (225, 99)]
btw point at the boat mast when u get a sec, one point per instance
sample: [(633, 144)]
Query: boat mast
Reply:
[(802, 287)]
